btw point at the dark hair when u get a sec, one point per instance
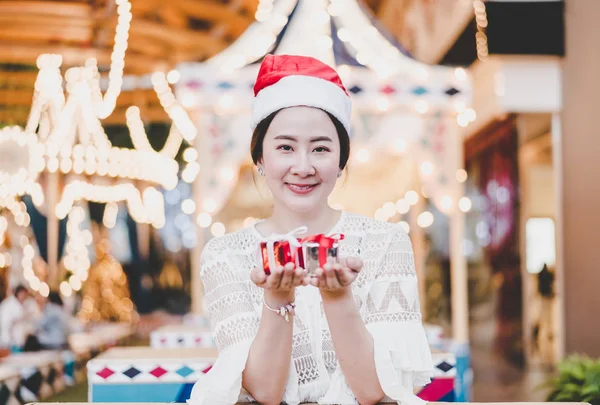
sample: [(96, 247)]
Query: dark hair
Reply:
[(258, 137), (54, 298), (19, 289)]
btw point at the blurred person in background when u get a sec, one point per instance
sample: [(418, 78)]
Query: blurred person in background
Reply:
[(52, 329), (13, 318)]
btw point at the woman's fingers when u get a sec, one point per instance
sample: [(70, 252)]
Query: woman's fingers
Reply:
[(331, 279), (287, 277), (258, 276), (274, 279), (298, 276)]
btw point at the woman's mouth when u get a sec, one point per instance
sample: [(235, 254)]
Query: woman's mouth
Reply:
[(301, 188)]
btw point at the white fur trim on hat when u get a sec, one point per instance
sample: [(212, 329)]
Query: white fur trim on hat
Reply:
[(298, 90)]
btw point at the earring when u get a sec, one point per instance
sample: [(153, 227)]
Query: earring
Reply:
[(261, 171), (339, 174)]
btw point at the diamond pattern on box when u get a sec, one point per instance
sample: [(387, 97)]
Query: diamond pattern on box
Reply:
[(158, 372), (131, 372), (105, 372), (119, 372), (452, 91), (419, 91), (444, 364), (184, 371)]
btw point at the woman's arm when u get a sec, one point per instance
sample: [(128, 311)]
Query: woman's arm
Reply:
[(267, 368), (353, 345), (268, 364)]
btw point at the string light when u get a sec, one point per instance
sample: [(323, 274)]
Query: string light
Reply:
[(109, 219), (480, 35), (104, 106), (425, 219), (175, 111), (204, 220), (188, 206), (146, 208), (76, 259), (402, 206), (412, 197), (217, 229), (464, 204), (249, 221), (18, 175)]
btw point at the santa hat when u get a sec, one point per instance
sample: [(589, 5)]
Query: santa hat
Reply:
[(290, 81)]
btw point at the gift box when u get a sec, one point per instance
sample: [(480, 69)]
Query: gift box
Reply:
[(317, 250), (442, 386), (144, 374), (280, 249)]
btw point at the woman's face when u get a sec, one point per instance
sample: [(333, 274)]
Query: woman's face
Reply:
[(301, 155)]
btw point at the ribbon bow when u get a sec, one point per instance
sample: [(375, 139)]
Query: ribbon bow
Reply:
[(291, 238)]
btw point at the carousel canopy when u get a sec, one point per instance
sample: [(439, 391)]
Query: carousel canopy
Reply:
[(376, 70)]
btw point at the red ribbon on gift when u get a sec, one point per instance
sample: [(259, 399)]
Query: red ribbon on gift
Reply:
[(325, 242)]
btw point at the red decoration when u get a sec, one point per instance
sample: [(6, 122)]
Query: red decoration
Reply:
[(325, 243), (283, 253)]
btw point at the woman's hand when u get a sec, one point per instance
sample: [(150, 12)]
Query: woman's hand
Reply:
[(281, 279), (337, 277)]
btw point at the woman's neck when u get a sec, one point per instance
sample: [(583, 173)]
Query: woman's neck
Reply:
[(284, 220)]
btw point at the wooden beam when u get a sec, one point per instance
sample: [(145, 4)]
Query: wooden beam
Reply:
[(14, 116), (18, 79), (201, 10), (176, 37), (46, 33), (55, 8), (173, 17), (74, 56), (27, 20), (250, 6), (16, 97)]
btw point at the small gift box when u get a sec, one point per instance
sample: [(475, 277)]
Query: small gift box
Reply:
[(320, 249), (280, 249)]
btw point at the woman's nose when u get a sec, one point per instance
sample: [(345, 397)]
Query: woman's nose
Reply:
[(302, 165)]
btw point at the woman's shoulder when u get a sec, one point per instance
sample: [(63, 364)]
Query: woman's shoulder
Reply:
[(233, 242)]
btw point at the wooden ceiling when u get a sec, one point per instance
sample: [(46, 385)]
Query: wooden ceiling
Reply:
[(162, 34)]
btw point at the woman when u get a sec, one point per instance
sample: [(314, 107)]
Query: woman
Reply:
[(355, 334)]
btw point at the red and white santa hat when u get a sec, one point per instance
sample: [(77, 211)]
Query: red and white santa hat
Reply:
[(291, 80)]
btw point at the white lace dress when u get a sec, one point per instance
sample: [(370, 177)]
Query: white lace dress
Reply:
[(385, 292)]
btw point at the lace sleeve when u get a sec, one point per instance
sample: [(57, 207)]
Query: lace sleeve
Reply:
[(393, 317), (234, 324)]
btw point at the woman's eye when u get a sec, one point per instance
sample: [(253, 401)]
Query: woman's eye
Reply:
[(286, 148), (321, 149)]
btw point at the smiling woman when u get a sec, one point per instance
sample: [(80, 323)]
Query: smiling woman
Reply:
[(349, 332)]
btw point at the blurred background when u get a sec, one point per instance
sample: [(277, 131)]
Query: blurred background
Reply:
[(124, 148)]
